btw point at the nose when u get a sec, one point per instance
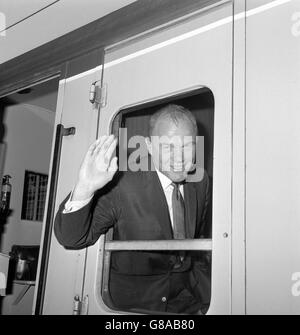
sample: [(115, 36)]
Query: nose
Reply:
[(178, 158)]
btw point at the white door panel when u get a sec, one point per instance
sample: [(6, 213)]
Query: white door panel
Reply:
[(273, 160), (203, 59), (66, 267)]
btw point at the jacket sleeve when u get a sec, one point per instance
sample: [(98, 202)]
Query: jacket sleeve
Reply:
[(204, 215), (82, 228), (200, 276)]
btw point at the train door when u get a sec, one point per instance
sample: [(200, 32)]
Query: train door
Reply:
[(61, 271), (193, 55), (272, 157)]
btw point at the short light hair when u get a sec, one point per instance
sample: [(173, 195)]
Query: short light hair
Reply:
[(174, 113)]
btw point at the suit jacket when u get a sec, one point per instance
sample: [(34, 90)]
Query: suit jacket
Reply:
[(135, 205)]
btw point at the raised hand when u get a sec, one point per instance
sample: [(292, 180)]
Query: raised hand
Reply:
[(97, 168)]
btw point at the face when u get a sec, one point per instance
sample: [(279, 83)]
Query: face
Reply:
[(173, 148)]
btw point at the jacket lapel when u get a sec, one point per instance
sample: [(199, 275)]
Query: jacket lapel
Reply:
[(159, 204)]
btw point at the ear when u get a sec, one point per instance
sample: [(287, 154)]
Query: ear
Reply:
[(149, 145)]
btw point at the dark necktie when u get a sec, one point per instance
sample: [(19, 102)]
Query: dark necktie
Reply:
[(178, 213)]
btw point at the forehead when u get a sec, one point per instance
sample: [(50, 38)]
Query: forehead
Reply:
[(167, 127)]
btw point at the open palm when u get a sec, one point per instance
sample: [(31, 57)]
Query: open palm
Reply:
[(97, 168)]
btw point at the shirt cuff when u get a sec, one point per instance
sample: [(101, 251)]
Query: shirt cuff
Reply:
[(74, 205)]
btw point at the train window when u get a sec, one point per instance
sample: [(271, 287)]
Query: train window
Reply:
[(34, 196), (147, 269)]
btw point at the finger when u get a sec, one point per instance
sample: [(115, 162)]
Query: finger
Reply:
[(107, 144), (103, 145), (103, 138), (93, 146), (110, 151), (113, 166)]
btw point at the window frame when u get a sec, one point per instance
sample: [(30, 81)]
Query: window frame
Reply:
[(109, 245)]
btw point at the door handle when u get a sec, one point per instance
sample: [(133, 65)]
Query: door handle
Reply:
[(61, 131)]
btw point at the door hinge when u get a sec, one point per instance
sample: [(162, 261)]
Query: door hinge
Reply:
[(80, 307), (98, 94)]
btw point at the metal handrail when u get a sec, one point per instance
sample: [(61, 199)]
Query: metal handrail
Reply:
[(186, 244)]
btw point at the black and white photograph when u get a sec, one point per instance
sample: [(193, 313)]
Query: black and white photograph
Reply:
[(149, 160)]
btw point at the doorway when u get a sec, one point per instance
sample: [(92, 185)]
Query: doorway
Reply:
[(27, 120)]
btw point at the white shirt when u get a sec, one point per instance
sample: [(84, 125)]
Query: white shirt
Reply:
[(166, 183)]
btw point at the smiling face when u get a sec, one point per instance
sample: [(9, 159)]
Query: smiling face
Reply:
[(172, 147)]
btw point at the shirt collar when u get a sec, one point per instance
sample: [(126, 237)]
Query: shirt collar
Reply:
[(164, 180)]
